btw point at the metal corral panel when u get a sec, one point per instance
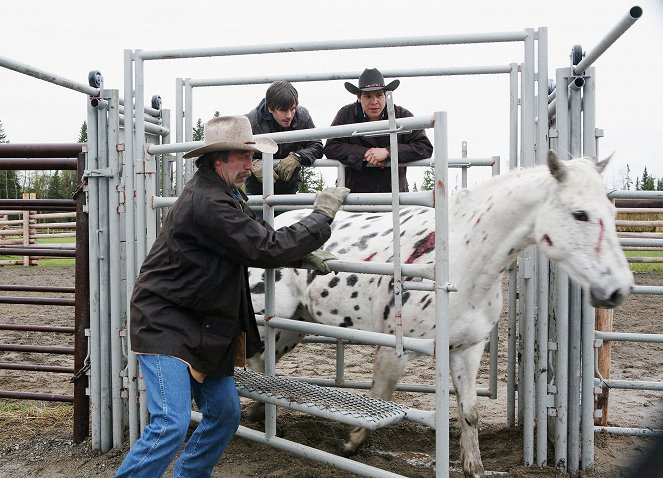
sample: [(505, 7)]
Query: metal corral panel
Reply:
[(339, 405)]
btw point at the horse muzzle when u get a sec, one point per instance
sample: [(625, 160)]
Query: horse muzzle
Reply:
[(608, 299)]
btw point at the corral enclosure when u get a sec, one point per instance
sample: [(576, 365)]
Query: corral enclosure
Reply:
[(41, 446)]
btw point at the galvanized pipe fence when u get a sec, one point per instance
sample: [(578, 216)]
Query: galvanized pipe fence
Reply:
[(130, 177)]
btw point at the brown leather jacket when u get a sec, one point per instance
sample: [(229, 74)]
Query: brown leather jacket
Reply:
[(360, 177), (191, 299)]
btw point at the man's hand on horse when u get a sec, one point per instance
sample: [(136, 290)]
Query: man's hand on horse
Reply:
[(330, 200), (317, 260), (287, 166)]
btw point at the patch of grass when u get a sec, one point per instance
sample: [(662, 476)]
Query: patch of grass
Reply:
[(29, 419), (651, 268), (50, 261)]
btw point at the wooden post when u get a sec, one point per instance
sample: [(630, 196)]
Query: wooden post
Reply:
[(603, 322)]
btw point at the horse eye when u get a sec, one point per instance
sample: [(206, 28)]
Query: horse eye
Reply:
[(580, 216)]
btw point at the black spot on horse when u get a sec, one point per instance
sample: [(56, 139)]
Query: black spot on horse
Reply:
[(356, 307), (344, 225), (354, 295), (387, 232), (334, 311), (347, 322), (387, 310), (277, 275), (351, 280), (428, 302), (258, 288), (334, 282), (324, 293), (310, 275), (406, 296)]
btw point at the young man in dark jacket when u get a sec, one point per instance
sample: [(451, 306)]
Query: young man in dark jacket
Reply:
[(365, 157), (191, 314), (280, 111)]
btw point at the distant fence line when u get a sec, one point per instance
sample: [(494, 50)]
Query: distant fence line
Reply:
[(31, 225)]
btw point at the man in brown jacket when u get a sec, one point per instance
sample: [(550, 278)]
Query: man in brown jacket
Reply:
[(365, 157), (191, 311)]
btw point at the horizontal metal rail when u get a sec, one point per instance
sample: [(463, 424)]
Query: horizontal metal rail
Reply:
[(38, 328), (629, 384), (30, 164), (38, 204), (41, 349), (41, 150), (47, 397), (648, 289), (36, 288), (36, 368), (350, 44), (37, 251), (645, 432), (629, 337), (37, 300)]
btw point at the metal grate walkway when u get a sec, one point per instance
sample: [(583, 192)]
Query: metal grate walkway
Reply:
[(339, 405)]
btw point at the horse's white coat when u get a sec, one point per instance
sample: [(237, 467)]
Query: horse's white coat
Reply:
[(563, 208)]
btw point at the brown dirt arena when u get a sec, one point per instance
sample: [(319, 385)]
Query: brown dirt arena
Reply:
[(37, 442)]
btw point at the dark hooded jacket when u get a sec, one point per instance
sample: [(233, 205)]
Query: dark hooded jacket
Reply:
[(360, 177), (192, 299), (262, 121)]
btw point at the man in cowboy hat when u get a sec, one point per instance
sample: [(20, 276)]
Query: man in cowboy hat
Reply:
[(192, 319), (365, 157), (279, 111)]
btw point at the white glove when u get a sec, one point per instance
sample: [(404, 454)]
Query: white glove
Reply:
[(286, 167), (317, 260)]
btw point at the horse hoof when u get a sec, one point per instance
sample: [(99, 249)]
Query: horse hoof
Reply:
[(345, 451)]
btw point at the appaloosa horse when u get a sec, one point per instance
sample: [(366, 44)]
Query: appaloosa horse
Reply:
[(562, 208)]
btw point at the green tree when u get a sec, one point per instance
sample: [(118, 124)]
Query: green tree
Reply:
[(10, 187), (82, 136), (216, 114), (429, 179), (659, 185), (648, 182), (311, 182), (198, 131)]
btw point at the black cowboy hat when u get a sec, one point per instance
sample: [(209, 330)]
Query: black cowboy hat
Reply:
[(371, 80)]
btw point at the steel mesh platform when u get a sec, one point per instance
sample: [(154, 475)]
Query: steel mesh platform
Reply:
[(339, 405)]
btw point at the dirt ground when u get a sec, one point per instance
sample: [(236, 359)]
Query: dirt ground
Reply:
[(39, 444)]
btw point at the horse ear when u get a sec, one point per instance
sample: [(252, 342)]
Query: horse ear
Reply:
[(557, 168), (601, 165)]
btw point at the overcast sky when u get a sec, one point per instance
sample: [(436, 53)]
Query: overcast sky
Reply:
[(70, 38)]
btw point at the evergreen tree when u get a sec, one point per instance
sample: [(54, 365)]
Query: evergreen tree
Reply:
[(429, 179), (216, 114), (198, 131), (82, 136), (659, 185), (9, 184), (628, 182), (648, 181), (311, 182)]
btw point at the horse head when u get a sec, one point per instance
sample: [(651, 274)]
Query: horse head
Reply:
[(576, 229)]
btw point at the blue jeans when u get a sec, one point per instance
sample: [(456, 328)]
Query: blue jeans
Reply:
[(169, 390)]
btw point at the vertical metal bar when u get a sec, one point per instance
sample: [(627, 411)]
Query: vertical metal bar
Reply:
[(512, 348), (561, 368), (589, 148), (573, 443), (526, 390), (340, 362), (104, 277), (587, 404), (166, 171), (588, 314), (270, 295), (179, 118), (396, 220), (81, 311), (542, 265), (441, 201), (130, 234), (188, 125), (513, 116), (95, 354), (463, 155), (513, 273), (115, 276), (494, 336)]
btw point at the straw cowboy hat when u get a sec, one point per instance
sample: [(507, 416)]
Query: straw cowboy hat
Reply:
[(227, 133), (371, 80)]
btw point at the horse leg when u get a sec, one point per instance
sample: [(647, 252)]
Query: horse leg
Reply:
[(387, 370), (464, 365)]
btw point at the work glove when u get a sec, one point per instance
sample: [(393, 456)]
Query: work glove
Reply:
[(317, 260), (286, 167), (329, 200), (257, 169)]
